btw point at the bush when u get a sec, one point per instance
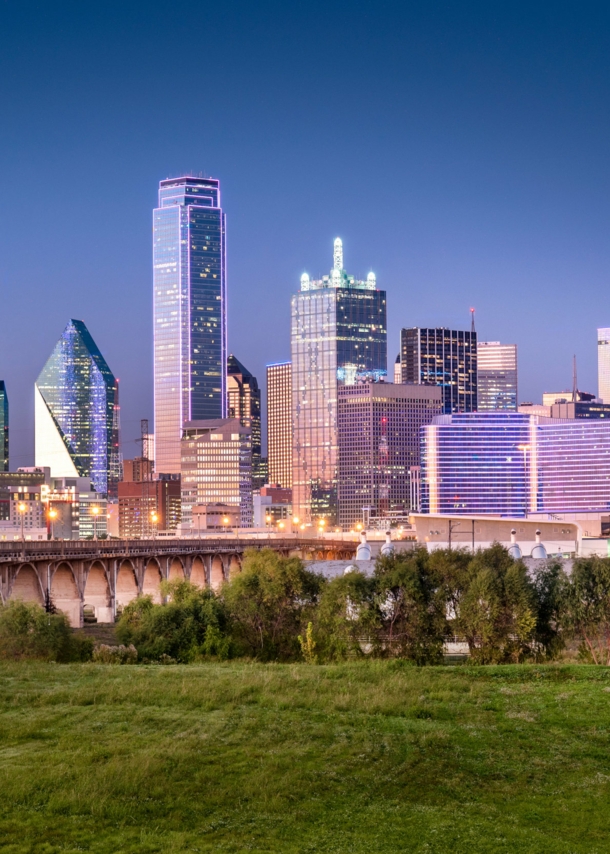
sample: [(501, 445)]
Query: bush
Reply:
[(269, 604), (191, 626), (27, 631), (347, 620), (105, 654), (585, 608)]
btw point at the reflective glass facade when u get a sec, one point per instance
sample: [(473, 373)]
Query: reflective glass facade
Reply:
[(497, 376), (279, 424), (244, 403), (442, 357), (512, 464), (3, 427), (190, 335), (77, 412), (603, 364), (338, 336)]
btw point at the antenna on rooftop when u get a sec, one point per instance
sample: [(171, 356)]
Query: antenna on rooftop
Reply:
[(574, 382), (472, 329)]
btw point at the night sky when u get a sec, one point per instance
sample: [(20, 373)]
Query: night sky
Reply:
[(461, 151)]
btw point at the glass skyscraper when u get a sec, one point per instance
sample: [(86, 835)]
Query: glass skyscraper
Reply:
[(603, 364), (511, 464), (338, 337), (443, 357), (279, 424), (77, 412), (190, 330), (3, 427), (497, 376), (244, 403)]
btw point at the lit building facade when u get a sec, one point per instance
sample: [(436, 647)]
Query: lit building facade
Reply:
[(512, 464), (279, 424), (148, 506), (3, 427), (216, 467), (244, 403), (190, 330), (497, 377), (21, 504), (338, 337), (603, 364), (379, 442), (77, 413), (445, 358)]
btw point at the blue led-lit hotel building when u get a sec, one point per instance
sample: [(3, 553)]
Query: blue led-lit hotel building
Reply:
[(190, 329), (77, 412), (512, 464), (338, 337)]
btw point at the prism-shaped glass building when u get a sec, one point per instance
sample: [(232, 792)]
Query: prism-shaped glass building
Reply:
[(77, 412), (190, 329)]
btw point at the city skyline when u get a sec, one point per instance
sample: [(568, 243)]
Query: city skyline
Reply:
[(481, 134)]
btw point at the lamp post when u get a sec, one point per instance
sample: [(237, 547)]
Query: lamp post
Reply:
[(22, 507), (225, 522), (154, 518), (52, 516), (95, 512)]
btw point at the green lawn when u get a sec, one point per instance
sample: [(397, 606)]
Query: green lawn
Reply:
[(373, 757)]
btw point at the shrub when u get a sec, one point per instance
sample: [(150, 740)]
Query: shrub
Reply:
[(27, 631), (191, 626), (106, 654), (269, 602), (347, 620), (585, 608)]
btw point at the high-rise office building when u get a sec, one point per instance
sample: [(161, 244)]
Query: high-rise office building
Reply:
[(338, 337), (77, 412), (379, 442), (603, 364), (216, 468), (497, 376), (511, 464), (190, 330), (279, 424), (244, 403), (3, 427), (397, 371), (443, 357)]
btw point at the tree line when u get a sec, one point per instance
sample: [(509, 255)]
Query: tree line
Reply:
[(276, 609)]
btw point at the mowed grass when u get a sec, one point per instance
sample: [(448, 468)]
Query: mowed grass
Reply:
[(371, 757)]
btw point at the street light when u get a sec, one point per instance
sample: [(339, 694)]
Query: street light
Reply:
[(22, 507), (280, 525), (154, 518), (225, 522), (52, 516), (95, 510), (358, 526), (267, 519)]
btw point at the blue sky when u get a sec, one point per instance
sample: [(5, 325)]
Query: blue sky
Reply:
[(460, 150)]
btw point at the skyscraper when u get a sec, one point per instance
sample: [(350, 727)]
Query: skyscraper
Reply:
[(443, 357), (603, 364), (279, 423), (3, 427), (77, 412), (379, 443), (244, 403), (338, 336), (190, 330), (497, 376)]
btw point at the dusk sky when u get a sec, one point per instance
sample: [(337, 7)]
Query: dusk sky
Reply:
[(460, 150)]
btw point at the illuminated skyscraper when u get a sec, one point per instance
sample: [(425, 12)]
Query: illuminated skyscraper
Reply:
[(77, 411), (190, 331), (3, 427), (603, 364), (279, 423), (443, 357), (497, 376), (244, 403), (338, 337)]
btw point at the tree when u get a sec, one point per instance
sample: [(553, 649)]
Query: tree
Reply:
[(412, 607), (585, 608), (191, 626), (497, 610), (347, 619), (28, 631), (269, 603)]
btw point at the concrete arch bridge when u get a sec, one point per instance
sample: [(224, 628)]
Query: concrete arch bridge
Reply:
[(101, 577)]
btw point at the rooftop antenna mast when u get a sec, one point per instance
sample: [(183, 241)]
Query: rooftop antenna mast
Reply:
[(574, 382), (472, 329)]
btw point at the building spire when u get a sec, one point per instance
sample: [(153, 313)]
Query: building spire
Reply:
[(338, 254), (472, 329), (574, 382)]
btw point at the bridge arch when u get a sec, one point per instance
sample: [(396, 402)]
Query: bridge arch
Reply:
[(97, 594), (65, 594), (151, 580), (234, 566), (176, 570), (217, 574), (126, 584), (198, 574), (26, 585)]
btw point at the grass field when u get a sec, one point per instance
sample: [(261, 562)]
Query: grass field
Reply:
[(356, 758)]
